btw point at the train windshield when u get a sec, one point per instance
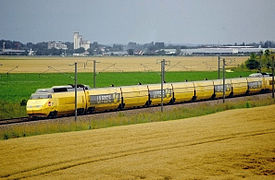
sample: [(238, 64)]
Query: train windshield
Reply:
[(41, 96)]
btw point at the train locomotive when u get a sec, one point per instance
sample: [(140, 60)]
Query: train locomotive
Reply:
[(60, 100)]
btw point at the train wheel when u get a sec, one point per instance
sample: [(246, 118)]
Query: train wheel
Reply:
[(52, 114), (80, 111)]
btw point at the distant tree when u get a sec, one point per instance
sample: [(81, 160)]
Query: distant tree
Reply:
[(79, 50), (252, 63), (29, 45), (55, 52), (260, 61), (267, 58), (252, 56), (91, 51), (267, 52)]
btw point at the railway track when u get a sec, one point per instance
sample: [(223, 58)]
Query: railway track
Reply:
[(13, 120), (100, 115)]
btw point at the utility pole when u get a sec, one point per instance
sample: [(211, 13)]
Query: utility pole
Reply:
[(163, 62), (162, 80), (273, 77), (219, 60), (94, 72), (223, 79), (75, 90)]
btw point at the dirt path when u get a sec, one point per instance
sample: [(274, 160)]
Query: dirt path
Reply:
[(231, 144)]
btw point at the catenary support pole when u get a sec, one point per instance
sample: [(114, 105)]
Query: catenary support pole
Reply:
[(163, 70), (94, 73), (75, 90), (162, 80), (273, 77), (219, 69), (223, 80)]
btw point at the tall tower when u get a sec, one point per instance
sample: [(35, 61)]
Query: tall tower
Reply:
[(76, 40), (4, 43)]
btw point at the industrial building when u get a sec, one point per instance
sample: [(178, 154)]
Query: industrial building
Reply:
[(79, 42), (57, 45)]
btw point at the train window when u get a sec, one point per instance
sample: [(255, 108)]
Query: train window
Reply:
[(255, 84), (60, 89), (219, 88), (105, 98), (154, 94), (41, 96), (72, 89)]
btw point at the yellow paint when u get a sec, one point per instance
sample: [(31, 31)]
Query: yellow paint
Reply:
[(183, 91), (106, 98), (134, 96), (255, 84), (39, 106), (219, 90), (239, 86), (64, 102), (204, 89), (155, 93)]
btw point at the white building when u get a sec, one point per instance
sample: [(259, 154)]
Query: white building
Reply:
[(57, 45), (76, 40), (79, 42)]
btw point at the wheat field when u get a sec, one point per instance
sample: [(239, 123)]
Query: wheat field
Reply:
[(112, 64), (229, 145)]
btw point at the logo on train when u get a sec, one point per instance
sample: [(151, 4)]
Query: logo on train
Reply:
[(255, 84), (219, 88), (157, 93), (104, 98)]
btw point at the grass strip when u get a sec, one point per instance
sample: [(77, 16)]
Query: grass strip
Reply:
[(48, 127)]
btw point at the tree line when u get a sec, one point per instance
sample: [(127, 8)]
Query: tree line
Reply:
[(260, 61), (41, 48)]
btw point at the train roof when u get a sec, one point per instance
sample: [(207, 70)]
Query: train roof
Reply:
[(260, 75), (47, 90)]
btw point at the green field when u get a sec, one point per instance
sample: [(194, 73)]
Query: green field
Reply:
[(16, 87)]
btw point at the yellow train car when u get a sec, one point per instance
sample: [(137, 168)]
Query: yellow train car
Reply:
[(39, 105), (218, 88), (267, 83), (204, 89), (155, 93), (103, 99), (240, 86), (56, 101), (64, 102), (135, 96), (255, 84), (183, 91)]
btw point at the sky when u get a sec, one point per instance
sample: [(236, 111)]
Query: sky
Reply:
[(141, 21)]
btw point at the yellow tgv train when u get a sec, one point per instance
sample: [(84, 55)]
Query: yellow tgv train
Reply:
[(60, 100)]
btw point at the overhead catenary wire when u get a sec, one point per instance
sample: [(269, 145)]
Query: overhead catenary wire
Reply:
[(61, 72)]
